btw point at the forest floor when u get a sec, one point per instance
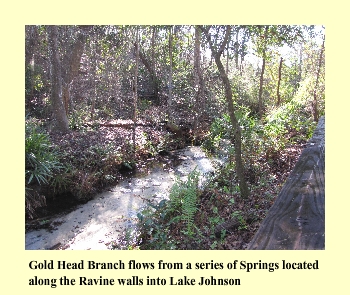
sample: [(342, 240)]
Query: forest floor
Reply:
[(102, 155), (264, 189)]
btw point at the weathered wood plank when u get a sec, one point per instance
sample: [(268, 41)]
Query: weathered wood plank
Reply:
[(297, 218)]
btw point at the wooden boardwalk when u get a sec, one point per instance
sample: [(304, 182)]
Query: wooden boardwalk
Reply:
[(297, 218)]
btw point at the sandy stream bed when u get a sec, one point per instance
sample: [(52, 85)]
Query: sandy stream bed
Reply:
[(98, 223)]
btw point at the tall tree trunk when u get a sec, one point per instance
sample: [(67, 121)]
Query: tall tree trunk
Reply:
[(93, 96), (153, 74), (71, 64), (135, 90), (60, 116), (236, 140), (279, 82), (236, 46), (227, 58), (262, 73), (198, 80), (261, 88), (170, 82), (315, 102), (31, 43)]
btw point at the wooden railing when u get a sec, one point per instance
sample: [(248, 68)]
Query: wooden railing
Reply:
[(297, 218)]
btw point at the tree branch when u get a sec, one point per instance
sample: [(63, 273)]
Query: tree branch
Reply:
[(223, 44)]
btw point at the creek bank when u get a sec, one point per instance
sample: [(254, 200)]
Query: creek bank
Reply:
[(102, 221), (93, 159)]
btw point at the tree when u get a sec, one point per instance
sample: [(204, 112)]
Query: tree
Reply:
[(279, 82), (63, 73), (269, 36), (236, 140), (263, 50), (31, 44), (71, 62), (170, 81), (198, 79), (135, 88), (60, 116), (148, 60)]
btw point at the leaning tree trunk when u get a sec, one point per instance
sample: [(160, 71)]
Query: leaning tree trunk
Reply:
[(237, 141), (151, 69), (237, 130), (60, 116)]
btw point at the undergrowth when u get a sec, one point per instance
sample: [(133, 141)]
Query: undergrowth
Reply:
[(42, 164), (190, 219)]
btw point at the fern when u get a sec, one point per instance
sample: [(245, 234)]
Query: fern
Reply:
[(183, 199), (189, 205), (176, 196)]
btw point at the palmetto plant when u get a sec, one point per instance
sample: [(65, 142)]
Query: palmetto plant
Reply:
[(41, 161), (41, 164)]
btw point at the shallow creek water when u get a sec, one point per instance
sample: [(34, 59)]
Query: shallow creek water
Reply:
[(99, 222)]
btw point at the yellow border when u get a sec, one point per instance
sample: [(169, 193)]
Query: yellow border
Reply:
[(333, 262)]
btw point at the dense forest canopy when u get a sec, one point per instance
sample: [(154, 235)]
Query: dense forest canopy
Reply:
[(261, 88)]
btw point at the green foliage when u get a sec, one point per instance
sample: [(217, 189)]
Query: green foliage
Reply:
[(42, 165), (154, 226), (241, 220), (246, 87), (41, 160), (34, 83), (79, 116), (263, 138), (155, 220), (220, 128), (183, 199), (290, 116)]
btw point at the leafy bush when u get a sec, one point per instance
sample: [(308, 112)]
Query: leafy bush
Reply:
[(79, 116), (262, 139), (220, 129), (154, 226)]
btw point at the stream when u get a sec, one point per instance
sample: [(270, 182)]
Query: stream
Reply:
[(102, 221)]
